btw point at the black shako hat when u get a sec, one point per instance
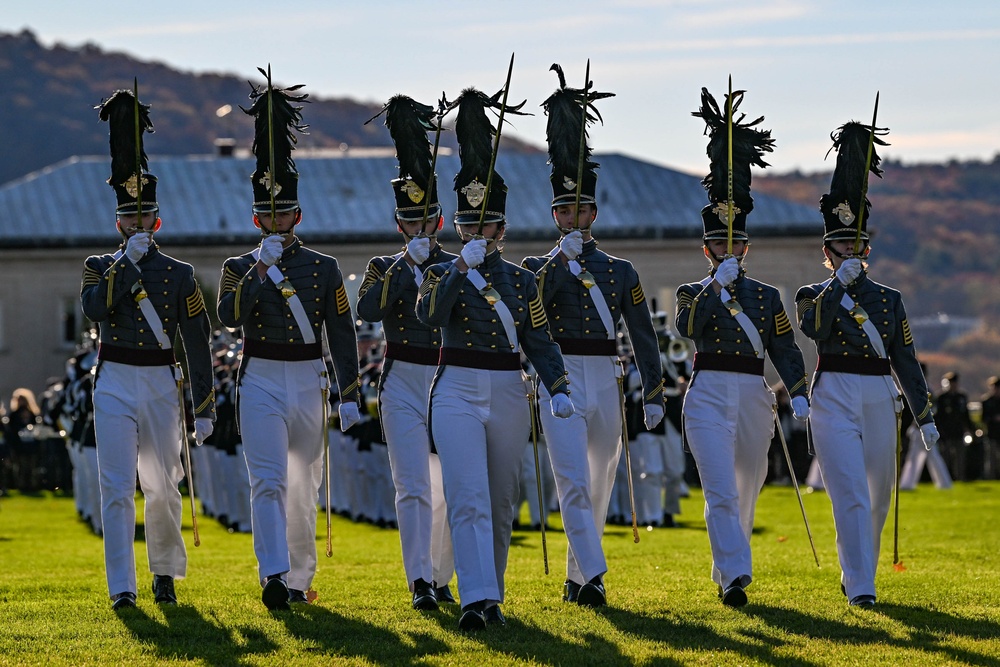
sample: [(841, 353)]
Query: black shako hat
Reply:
[(842, 205), (749, 145), (284, 117), (475, 133), (565, 133), (130, 175), (415, 189)]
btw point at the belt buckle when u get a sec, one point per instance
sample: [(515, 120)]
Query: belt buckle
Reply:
[(587, 278)]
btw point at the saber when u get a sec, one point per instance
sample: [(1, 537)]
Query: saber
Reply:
[(138, 154), (326, 466), (729, 169), (795, 482), (431, 182), (628, 462), (270, 149), (187, 453), (583, 149), (496, 148), (895, 513), (864, 184), (542, 508)]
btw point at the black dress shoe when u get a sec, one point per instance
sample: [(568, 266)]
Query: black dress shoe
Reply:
[(295, 596), (592, 594), (843, 589), (423, 596), (473, 618), (863, 601), (124, 600), (734, 595), (443, 595), (571, 591), (668, 521), (275, 593), (494, 616), (163, 589)]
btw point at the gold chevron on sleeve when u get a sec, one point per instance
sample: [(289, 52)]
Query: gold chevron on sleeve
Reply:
[(684, 300), (229, 280), (90, 277), (208, 401), (537, 311), (781, 324), (371, 277), (801, 306), (657, 390), (343, 305), (798, 385), (637, 295), (558, 383), (907, 336), (195, 302)]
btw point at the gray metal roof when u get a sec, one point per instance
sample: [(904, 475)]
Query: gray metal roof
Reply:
[(206, 199)]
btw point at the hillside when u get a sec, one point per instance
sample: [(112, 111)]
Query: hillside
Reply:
[(50, 93)]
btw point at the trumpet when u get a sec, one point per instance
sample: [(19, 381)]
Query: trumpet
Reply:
[(678, 350)]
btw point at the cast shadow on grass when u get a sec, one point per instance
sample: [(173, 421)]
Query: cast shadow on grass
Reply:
[(683, 635), (187, 635), (928, 630), (530, 643), (334, 635)]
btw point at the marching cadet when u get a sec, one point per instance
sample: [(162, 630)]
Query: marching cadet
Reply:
[(861, 335), (388, 294), (733, 320), (284, 296), (141, 299), (488, 310), (586, 292)]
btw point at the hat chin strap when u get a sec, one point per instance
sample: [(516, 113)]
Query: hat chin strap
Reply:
[(862, 253)]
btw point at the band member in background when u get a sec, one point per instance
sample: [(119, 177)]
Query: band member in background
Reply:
[(284, 296), (733, 320), (488, 310), (861, 335), (388, 294), (586, 293), (141, 299)]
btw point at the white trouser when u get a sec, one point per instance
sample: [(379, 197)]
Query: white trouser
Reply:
[(416, 474), (673, 468), (853, 420), (529, 482), (480, 428), (137, 422), (92, 481), (647, 456), (281, 414), (729, 421), (916, 458), (584, 451), (79, 493)]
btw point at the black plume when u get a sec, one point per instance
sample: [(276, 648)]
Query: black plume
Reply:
[(749, 146), (850, 141), (119, 112), (475, 133), (564, 109), (409, 122), (286, 117)]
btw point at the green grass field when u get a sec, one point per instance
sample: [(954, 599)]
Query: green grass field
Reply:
[(943, 608)]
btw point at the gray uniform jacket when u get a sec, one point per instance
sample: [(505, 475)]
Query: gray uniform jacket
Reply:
[(388, 294), (573, 316), (448, 300), (702, 317), (823, 319), (107, 296), (256, 305)]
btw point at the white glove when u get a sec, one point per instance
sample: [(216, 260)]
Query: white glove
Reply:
[(930, 435), (419, 250), (849, 270), (349, 415), (270, 249), (137, 246), (562, 406), (571, 245), (474, 252), (203, 427), (652, 414), (728, 271), (800, 408)]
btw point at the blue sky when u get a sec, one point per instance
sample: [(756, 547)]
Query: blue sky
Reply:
[(807, 65)]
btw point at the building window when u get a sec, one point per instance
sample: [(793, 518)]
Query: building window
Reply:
[(70, 321), (3, 338)]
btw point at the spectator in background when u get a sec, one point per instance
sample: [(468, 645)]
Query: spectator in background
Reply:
[(23, 454), (951, 414), (918, 455), (991, 427)]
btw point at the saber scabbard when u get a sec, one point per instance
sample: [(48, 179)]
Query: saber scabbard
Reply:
[(187, 454), (326, 466), (895, 503), (628, 460), (543, 510), (795, 482)]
